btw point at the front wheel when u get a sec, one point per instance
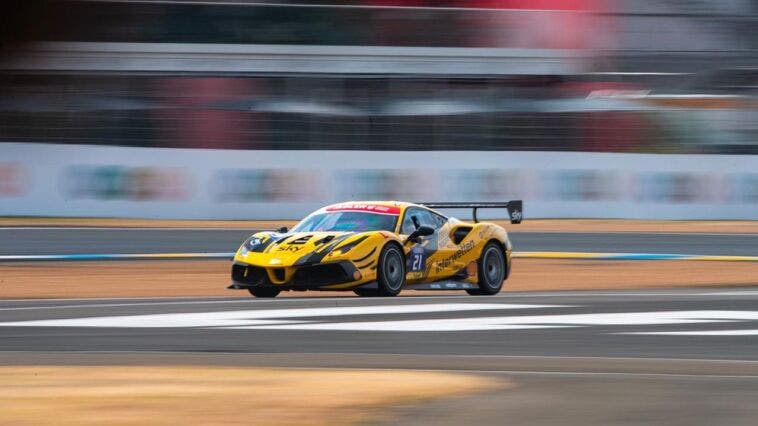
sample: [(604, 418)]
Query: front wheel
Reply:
[(491, 271), (264, 291), (391, 271)]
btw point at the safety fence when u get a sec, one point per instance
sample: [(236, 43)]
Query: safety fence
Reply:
[(153, 183)]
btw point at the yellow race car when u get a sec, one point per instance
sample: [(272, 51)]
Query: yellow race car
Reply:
[(378, 248)]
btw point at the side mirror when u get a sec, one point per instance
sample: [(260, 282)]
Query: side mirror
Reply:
[(282, 230), (422, 231)]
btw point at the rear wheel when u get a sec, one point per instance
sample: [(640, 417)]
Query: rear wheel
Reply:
[(491, 271), (264, 291), (390, 274)]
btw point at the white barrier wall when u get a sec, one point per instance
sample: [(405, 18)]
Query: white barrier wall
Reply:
[(97, 181)]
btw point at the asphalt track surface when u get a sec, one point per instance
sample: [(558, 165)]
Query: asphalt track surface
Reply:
[(576, 358), (38, 241), (717, 324), (624, 357)]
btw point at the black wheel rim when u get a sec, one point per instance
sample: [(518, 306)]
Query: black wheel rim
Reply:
[(393, 269), (493, 268)]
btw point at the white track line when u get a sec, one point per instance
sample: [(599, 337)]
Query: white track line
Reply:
[(251, 303), (159, 301), (738, 332), (115, 305), (95, 299)]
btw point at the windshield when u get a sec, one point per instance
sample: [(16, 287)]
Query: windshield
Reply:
[(347, 221)]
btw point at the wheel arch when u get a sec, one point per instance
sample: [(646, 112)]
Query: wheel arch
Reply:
[(496, 241), (503, 249), (396, 243), (387, 285)]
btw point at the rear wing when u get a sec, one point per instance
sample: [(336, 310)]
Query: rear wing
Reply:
[(515, 208)]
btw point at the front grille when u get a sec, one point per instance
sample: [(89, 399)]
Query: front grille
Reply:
[(247, 274), (323, 274), (279, 273)]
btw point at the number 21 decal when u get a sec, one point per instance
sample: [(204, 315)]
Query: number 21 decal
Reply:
[(417, 259)]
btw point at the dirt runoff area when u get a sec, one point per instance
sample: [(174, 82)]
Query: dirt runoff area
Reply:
[(168, 395), (211, 277)]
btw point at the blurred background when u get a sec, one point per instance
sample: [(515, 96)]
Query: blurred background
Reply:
[(643, 108)]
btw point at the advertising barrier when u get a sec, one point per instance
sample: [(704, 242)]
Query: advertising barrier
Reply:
[(99, 181)]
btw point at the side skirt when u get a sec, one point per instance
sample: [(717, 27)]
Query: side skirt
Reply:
[(442, 285), (437, 285)]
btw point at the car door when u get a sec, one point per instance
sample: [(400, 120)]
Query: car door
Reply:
[(422, 256)]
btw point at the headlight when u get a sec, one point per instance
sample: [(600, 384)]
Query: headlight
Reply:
[(252, 242), (250, 245)]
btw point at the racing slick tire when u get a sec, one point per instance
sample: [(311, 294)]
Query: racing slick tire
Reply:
[(264, 291), (390, 274), (492, 271)]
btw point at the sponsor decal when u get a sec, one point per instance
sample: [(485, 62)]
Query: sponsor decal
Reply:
[(516, 216), (256, 185), (683, 188), (582, 185), (370, 208), (618, 94), (291, 249), (12, 180), (446, 262), (443, 238), (746, 188), (414, 275), (126, 183), (385, 184), (491, 184)]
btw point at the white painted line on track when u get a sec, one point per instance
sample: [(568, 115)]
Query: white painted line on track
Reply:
[(752, 332), (94, 299), (114, 305), (621, 295), (521, 322), (261, 317), (159, 301), (299, 319), (192, 300), (601, 294)]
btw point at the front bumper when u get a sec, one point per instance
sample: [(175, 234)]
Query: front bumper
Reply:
[(303, 277)]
